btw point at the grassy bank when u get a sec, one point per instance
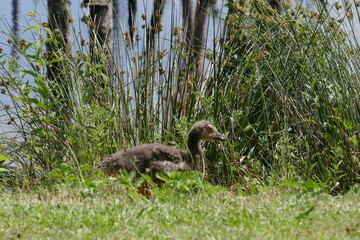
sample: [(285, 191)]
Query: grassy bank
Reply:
[(113, 213)]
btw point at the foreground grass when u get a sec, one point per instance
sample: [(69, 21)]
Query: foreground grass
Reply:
[(114, 213)]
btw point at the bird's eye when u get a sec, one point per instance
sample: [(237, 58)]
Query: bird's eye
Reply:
[(210, 129)]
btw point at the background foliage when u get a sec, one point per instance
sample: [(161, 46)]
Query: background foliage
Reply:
[(284, 89)]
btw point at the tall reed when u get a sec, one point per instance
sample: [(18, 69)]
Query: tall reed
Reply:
[(290, 93)]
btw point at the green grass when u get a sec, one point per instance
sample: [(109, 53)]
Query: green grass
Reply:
[(112, 212)]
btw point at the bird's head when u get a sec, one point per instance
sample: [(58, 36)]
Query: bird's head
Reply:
[(206, 131)]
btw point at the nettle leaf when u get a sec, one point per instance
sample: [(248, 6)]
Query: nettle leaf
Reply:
[(31, 27), (28, 46), (56, 60), (30, 73), (38, 49), (3, 157), (354, 140)]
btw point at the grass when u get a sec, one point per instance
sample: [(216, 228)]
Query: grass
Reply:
[(112, 212)]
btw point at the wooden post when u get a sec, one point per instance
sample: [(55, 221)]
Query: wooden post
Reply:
[(101, 15)]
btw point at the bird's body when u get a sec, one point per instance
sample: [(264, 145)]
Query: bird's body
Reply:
[(142, 158), (158, 158)]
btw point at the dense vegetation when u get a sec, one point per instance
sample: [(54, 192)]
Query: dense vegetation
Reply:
[(283, 87)]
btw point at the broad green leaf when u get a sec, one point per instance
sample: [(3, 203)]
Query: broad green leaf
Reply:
[(4, 157), (30, 73), (31, 27)]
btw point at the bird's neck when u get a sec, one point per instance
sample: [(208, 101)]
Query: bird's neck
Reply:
[(195, 155)]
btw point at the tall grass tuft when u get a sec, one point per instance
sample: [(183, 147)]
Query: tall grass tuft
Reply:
[(290, 93), (284, 87)]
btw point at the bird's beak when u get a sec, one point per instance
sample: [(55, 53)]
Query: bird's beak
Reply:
[(219, 137)]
